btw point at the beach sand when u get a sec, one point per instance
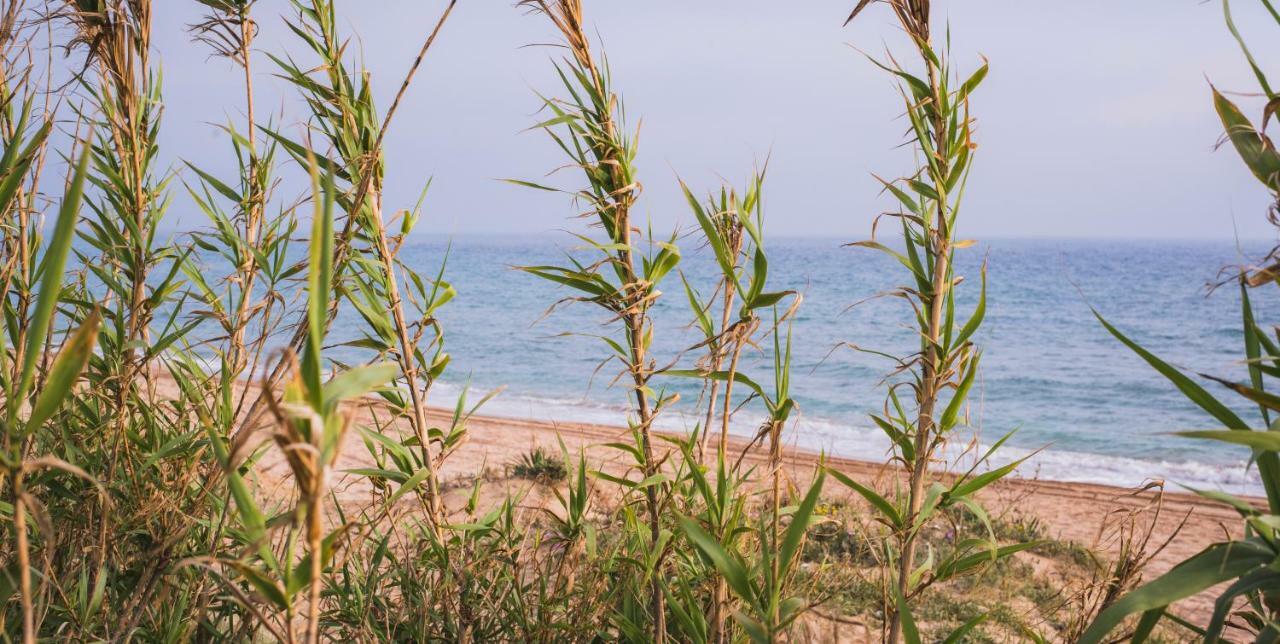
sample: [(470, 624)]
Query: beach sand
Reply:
[(1068, 511)]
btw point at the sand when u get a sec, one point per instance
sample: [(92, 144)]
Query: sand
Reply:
[(1068, 511)]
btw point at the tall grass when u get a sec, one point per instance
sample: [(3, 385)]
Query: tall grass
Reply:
[(155, 387), (941, 373), (618, 278)]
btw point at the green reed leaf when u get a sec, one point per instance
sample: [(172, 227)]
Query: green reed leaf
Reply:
[(878, 502), (1254, 147), (1194, 392), (52, 272), (1265, 441), (64, 373), (1212, 566), (358, 381), (792, 538)]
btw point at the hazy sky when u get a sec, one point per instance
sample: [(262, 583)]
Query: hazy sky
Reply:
[(1094, 121)]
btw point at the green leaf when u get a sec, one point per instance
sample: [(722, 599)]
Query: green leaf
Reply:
[(1266, 441), (959, 634), (969, 486), (952, 412), (880, 503), (987, 555), (1194, 392), (267, 587), (979, 312), (413, 482), (800, 523), (358, 381), (722, 376), (300, 576), (910, 633), (319, 278), (52, 267), (1212, 566), (1255, 148), (65, 371), (972, 83), (733, 571)]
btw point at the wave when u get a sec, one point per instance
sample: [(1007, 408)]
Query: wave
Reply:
[(866, 442)]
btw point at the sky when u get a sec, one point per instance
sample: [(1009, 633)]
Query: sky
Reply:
[(1095, 119)]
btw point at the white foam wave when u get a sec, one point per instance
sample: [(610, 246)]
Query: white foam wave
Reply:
[(868, 443)]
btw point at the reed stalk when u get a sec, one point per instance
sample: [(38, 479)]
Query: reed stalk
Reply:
[(600, 147), (937, 107)]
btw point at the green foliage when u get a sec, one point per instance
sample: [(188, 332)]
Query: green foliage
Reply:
[(538, 465), (174, 460), (940, 374), (1246, 565)]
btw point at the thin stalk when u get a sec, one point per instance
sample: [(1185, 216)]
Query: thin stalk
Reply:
[(939, 247), (24, 560), (635, 319), (408, 367), (253, 207), (315, 539)]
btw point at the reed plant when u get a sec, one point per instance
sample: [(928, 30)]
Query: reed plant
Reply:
[(1246, 606), (622, 276), (940, 374), (733, 228)]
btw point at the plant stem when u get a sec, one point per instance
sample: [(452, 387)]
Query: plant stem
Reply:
[(939, 248), (24, 560)]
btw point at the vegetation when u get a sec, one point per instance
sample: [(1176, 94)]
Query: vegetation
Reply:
[(941, 133), (176, 430), (538, 465), (1246, 606)]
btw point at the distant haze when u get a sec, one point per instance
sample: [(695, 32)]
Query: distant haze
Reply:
[(1094, 121)]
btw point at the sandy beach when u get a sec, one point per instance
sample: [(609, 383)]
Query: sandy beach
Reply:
[(1073, 512)]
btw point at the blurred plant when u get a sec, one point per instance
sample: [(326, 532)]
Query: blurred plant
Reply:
[(41, 398), (1250, 603), (310, 422), (538, 465)]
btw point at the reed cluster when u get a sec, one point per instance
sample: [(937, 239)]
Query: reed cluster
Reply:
[(173, 425)]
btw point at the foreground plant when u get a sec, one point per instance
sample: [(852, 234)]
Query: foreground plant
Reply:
[(943, 370), (43, 395), (620, 277), (1247, 606)]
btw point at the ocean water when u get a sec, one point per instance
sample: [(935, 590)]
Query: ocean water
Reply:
[(1094, 410)]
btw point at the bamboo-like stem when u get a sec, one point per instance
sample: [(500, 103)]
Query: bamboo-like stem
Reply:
[(636, 321), (123, 62), (932, 381), (775, 475), (315, 539), (408, 367), (253, 209), (612, 204)]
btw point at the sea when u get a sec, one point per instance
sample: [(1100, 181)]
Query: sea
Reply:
[(1080, 405)]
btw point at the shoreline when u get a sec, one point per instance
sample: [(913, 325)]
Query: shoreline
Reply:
[(1049, 461), (794, 455)]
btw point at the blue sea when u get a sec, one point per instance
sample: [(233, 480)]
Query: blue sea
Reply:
[(1050, 371)]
